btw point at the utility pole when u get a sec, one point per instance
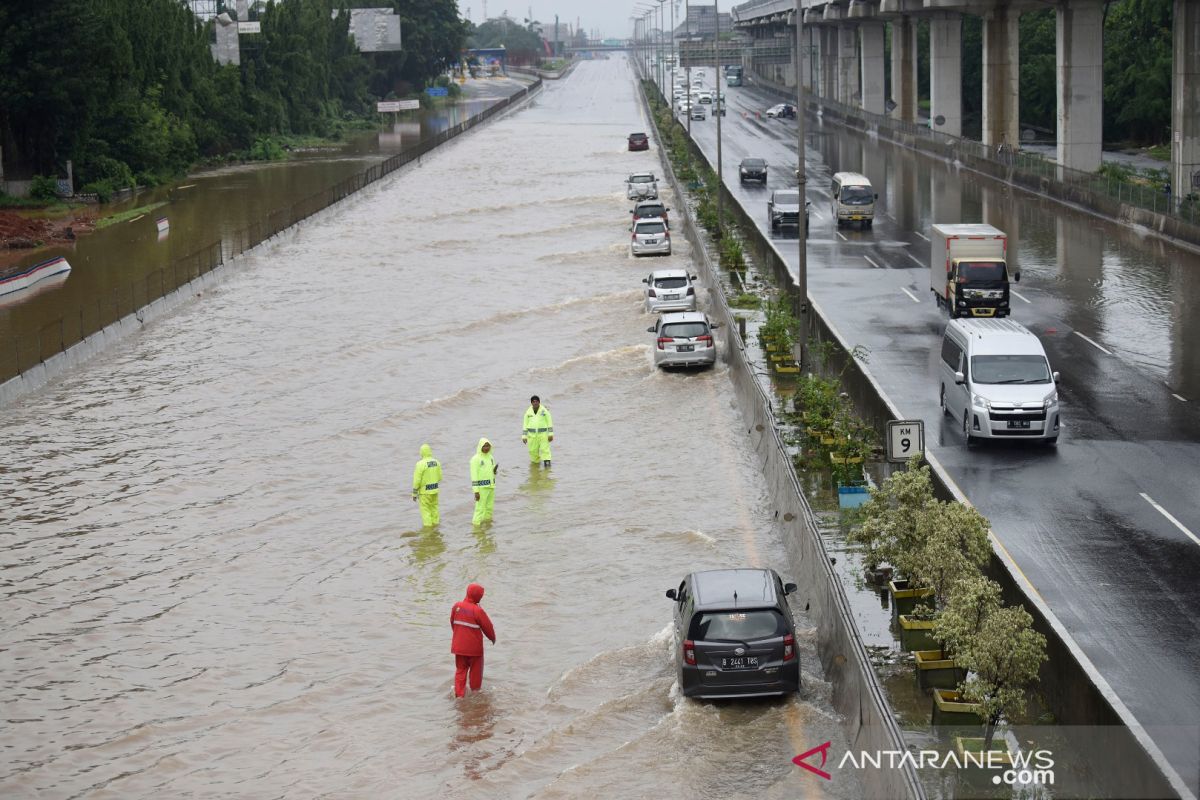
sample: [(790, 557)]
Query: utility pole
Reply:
[(717, 108), (801, 185), (687, 15)]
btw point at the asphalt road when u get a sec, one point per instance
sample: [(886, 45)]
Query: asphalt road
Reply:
[(1104, 525)]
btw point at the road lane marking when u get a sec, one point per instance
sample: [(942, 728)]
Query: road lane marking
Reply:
[(1094, 344), (915, 299), (872, 263), (1167, 514), (920, 263), (844, 239), (1018, 294), (923, 236), (1180, 398)]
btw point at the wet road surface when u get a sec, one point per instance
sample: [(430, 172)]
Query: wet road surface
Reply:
[(1104, 526), (212, 580)]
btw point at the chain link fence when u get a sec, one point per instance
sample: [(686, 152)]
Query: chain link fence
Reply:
[(25, 351)]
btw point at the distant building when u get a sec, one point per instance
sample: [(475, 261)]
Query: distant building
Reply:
[(701, 23)]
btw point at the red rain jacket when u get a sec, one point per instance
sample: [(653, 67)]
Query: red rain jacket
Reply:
[(470, 624)]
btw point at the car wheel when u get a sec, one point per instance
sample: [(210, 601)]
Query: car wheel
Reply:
[(967, 427), (942, 401)]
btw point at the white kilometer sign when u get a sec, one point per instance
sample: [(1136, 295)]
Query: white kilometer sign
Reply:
[(905, 439)]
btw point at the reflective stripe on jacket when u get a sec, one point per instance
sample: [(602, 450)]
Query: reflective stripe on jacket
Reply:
[(427, 474), (537, 422), (470, 623), (483, 468)]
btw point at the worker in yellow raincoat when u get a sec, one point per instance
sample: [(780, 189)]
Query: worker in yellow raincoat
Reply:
[(484, 470), (538, 431), (427, 474)]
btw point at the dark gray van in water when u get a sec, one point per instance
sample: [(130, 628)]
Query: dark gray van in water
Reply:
[(734, 635)]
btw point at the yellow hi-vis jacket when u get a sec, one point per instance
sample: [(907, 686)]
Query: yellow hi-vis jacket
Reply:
[(483, 468), (427, 474), (537, 423)]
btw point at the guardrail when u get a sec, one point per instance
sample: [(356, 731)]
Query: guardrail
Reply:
[(23, 352)]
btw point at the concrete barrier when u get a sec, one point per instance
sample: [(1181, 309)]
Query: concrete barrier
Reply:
[(857, 695)]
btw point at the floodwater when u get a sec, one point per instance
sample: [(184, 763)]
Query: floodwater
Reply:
[(214, 582), (213, 205)]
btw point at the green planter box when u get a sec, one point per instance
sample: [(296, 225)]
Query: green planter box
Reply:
[(977, 781), (935, 671), (949, 709), (916, 634), (905, 598)]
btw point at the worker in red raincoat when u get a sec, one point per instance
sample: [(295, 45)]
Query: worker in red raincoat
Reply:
[(469, 623)]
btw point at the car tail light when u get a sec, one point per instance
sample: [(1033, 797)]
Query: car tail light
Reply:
[(663, 340), (689, 648), (653, 293), (690, 291), (666, 234), (708, 340), (789, 647), (633, 238)]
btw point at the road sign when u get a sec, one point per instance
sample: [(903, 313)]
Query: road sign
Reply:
[(392, 106), (437, 91), (905, 439)]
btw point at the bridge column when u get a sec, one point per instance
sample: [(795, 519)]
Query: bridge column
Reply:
[(871, 44), (945, 196), (1185, 100), (904, 68), (945, 72), (804, 56), (829, 59), (1001, 74), (847, 36), (1080, 56)]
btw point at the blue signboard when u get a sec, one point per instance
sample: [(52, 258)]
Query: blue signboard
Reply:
[(437, 91)]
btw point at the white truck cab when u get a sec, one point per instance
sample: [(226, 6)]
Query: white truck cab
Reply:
[(853, 199)]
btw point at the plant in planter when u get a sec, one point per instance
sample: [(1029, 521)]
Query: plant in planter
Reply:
[(1003, 660), (971, 600), (890, 525)]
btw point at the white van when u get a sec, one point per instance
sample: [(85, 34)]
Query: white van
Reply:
[(853, 199), (996, 381)]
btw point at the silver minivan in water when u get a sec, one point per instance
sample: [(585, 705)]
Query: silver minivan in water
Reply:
[(853, 199), (997, 382)]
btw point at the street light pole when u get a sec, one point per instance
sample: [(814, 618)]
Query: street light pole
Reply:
[(687, 16), (801, 181), (717, 108)]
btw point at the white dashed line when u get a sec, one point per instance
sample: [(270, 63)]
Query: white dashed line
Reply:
[(920, 263), (872, 263), (1167, 514), (1180, 398), (1094, 344), (1018, 294), (915, 299), (843, 236), (923, 236)]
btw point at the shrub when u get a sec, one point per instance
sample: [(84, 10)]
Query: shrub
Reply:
[(44, 188)]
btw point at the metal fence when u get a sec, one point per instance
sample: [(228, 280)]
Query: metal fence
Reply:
[(25, 351)]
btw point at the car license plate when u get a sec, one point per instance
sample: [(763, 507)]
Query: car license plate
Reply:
[(1018, 423), (739, 662), (670, 297), (684, 348), (651, 241), (856, 217)]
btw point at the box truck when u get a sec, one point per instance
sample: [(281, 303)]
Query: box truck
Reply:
[(968, 270)]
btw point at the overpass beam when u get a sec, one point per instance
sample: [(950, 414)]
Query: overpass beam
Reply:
[(1001, 74), (1185, 100), (871, 44), (904, 68), (945, 72), (848, 71), (1080, 57)]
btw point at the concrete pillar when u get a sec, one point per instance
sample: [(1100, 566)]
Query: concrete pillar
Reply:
[(871, 45), (1080, 60), (805, 57), (1001, 74), (829, 62), (1185, 100), (847, 73), (945, 72), (904, 68), (945, 197)]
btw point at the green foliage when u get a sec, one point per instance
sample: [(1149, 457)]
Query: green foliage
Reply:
[(779, 328), (1003, 660), (745, 300), (952, 545), (1039, 98), (1137, 70), (732, 255), (43, 188), (266, 149), (972, 599)]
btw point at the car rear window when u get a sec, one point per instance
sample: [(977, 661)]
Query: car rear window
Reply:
[(738, 626), (641, 177), (670, 283), (650, 227), (684, 330), (650, 211)]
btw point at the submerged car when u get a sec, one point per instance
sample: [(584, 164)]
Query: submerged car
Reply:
[(644, 209), (650, 237), (684, 339), (734, 635), (669, 290), (641, 185), (782, 111), (639, 141), (752, 169)]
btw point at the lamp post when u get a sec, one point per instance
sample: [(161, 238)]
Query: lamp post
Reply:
[(801, 181), (687, 17), (717, 108)]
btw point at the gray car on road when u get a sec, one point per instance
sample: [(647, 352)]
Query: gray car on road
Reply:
[(669, 290), (684, 339)]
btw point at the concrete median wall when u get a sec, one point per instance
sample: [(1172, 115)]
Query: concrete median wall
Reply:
[(857, 694)]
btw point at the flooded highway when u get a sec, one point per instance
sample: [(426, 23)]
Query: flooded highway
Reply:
[(1109, 513), (214, 582)]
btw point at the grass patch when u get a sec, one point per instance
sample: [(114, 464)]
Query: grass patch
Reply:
[(1162, 152), (125, 216), (745, 300)]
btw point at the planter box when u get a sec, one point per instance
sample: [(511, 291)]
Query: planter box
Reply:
[(916, 634), (979, 778), (834, 458), (905, 598), (852, 496), (949, 709), (788, 369), (935, 671)]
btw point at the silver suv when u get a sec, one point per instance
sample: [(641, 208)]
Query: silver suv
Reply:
[(784, 207), (650, 237), (641, 186), (684, 339), (670, 290), (734, 635)]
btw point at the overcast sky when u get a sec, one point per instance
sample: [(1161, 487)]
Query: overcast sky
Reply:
[(611, 17)]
